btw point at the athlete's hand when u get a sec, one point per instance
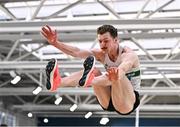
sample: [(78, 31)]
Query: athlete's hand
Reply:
[(49, 34), (112, 74)]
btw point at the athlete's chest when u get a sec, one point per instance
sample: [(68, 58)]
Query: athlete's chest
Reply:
[(108, 63)]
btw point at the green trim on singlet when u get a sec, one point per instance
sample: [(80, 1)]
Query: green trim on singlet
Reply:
[(133, 74)]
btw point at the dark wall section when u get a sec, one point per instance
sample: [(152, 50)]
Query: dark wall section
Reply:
[(113, 122)]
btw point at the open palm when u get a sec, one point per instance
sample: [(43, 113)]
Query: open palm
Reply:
[(112, 74), (49, 34)]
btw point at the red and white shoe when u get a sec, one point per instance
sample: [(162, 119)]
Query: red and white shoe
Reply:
[(53, 76), (88, 74)]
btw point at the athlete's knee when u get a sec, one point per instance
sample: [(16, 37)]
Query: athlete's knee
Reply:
[(127, 108), (123, 108)]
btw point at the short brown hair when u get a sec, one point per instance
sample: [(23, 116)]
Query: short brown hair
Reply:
[(108, 28)]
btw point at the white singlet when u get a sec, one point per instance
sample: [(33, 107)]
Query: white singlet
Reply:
[(133, 75)]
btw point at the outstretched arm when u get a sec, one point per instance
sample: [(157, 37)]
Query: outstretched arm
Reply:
[(51, 37)]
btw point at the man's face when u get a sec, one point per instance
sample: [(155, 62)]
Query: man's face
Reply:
[(106, 41)]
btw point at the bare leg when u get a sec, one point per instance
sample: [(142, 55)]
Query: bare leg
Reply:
[(72, 80), (101, 89), (99, 84), (122, 93)]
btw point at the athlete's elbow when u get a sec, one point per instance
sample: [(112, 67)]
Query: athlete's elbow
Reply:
[(130, 64), (75, 53), (78, 55)]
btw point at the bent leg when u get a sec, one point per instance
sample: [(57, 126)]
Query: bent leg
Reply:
[(54, 80), (72, 80), (100, 85), (101, 89), (122, 93)]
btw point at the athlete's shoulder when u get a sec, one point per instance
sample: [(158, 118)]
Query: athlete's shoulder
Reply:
[(127, 50)]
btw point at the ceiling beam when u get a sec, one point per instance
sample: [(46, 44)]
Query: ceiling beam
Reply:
[(78, 64), (85, 37), (37, 9), (13, 48), (159, 8), (85, 26), (8, 1), (64, 9), (112, 11), (7, 12), (170, 91), (142, 8), (92, 107)]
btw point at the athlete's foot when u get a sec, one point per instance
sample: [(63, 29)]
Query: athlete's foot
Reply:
[(88, 74), (53, 76)]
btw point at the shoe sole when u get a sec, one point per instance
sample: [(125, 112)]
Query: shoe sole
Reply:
[(88, 69), (50, 68)]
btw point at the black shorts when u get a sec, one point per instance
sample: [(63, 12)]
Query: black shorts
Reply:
[(112, 108)]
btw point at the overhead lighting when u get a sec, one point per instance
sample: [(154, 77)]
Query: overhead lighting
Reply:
[(16, 78), (74, 107), (104, 121), (46, 120), (30, 114), (12, 73), (37, 90), (25, 40), (58, 99), (3, 114), (89, 114)]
